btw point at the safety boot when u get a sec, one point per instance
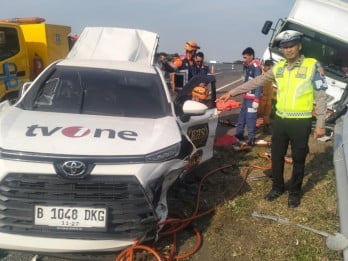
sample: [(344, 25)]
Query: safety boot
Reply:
[(294, 200), (251, 142), (273, 194)]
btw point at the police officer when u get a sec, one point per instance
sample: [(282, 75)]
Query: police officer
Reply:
[(300, 83)]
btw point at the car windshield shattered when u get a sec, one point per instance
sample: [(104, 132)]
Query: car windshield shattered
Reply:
[(98, 92)]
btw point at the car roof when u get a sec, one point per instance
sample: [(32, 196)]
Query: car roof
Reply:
[(113, 43), (109, 64)]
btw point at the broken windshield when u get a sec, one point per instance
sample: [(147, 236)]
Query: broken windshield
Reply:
[(99, 92)]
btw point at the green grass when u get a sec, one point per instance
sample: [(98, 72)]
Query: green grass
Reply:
[(242, 237)]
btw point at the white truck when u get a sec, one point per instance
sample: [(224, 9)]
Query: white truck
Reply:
[(324, 25)]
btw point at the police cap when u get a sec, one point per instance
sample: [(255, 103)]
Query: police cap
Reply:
[(288, 38)]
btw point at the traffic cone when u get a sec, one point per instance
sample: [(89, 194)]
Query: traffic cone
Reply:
[(212, 70)]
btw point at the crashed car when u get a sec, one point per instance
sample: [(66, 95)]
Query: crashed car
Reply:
[(90, 149)]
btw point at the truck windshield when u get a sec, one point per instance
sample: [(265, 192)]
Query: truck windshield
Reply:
[(9, 44), (98, 92), (330, 52)]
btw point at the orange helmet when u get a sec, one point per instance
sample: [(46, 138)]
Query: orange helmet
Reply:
[(191, 46), (200, 92), (177, 62)]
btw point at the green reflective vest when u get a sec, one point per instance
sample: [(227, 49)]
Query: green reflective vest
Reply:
[(295, 93)]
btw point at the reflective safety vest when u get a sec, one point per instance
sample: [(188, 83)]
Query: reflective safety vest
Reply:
[(295, 92)]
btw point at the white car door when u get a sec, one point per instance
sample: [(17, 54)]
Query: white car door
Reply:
[(200, 129)]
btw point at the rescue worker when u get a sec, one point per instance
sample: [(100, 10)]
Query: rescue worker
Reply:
[(248, 113), (191, 48), (265, 108), (183, 62), (300, 82), (166, 67), (187, 59), (199, 67)]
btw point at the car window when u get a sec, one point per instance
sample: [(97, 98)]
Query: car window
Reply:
[(48, 92), (101, 92), (200, 88), (9, 43)]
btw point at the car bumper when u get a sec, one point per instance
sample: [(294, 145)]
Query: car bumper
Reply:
[(55, 245), (129, 202)]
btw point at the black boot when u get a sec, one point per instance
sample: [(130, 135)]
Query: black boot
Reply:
[(294, 200), (266, 129), (273, 194), (251, 142)]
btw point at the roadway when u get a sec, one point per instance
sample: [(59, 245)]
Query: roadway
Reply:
[(227, 77)]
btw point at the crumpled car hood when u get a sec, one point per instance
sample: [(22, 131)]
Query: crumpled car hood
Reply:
[(64, 133)]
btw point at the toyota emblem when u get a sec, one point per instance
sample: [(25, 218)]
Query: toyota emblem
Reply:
[(74, 168)]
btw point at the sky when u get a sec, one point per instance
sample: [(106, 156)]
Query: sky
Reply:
[(223, 28)]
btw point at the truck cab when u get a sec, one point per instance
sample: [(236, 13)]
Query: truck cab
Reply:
[(27, 46), (13, 60), (324, 38)]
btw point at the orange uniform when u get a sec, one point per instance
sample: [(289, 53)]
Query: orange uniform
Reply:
[(265, 107)]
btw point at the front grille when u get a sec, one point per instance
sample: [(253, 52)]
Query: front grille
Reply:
[(129, 212)]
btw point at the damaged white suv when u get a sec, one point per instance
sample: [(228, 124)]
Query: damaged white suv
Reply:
[(90, 149)]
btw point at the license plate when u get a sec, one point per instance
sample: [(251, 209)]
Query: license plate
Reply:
[(70, 217), (199, 134)]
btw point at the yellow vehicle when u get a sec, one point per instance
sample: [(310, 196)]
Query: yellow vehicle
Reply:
[(27, 46)]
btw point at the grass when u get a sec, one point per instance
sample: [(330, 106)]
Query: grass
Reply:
[(231, 233)]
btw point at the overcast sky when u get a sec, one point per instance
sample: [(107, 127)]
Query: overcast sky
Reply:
[(223, 28)]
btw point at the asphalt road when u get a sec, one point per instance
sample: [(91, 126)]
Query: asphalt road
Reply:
[(227, 77)]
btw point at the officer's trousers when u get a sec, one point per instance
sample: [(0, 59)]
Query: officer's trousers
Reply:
[(296, 133)]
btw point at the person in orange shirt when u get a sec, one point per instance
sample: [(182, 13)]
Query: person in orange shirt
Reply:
[(265, 108), (183, 62)]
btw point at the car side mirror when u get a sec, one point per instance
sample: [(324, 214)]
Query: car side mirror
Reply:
[(267, 27), (194, 108)]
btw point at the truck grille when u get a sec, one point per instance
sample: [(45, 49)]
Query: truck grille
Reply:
[(129, 212)]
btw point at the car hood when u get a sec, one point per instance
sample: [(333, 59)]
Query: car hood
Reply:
[(63, 133)]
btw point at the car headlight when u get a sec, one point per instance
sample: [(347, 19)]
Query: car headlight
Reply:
[(163, 154)]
